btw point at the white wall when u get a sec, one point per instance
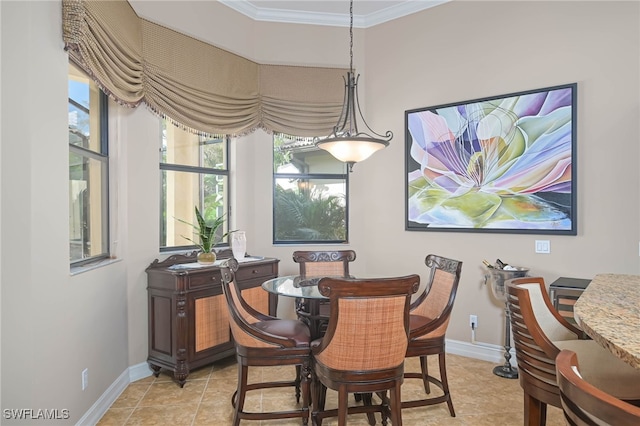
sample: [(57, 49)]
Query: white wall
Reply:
[(469, 50), (54, 325), (0, 212)]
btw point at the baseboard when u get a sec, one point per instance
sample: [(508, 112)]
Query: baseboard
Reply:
[(478, 350), (139, 371), (97, 410)]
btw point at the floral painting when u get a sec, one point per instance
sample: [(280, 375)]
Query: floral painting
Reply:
[(500, 164)]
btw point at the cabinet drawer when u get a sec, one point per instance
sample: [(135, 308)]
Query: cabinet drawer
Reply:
[(209, 279), (248, 272)]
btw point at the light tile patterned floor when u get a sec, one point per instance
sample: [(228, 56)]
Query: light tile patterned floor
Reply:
[(479, 397)]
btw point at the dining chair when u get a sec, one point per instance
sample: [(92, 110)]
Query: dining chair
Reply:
[(539, 334), (586, 405), (264, 341), (324, 263), (316, 264), (365, 344), (429, 317)]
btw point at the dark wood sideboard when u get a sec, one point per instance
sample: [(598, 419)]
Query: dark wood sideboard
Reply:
[(188, 317)]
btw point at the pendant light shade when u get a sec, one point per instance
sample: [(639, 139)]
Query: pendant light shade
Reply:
[(347, 143)]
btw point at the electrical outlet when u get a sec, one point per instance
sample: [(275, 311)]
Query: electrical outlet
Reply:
[(85, 378), (473, 321)]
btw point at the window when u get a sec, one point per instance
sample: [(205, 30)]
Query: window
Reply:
[(193, 172), (88, 170), (310, 193)]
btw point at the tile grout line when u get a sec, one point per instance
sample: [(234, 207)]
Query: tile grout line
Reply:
[(139, 401), (206, 386)]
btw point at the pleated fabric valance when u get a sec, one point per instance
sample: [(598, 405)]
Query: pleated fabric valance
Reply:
[(199, 86)]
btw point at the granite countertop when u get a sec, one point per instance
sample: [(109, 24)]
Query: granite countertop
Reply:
[(609, 312)]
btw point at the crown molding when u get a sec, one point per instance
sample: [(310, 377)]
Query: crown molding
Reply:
[(330, 19), (398, 11)]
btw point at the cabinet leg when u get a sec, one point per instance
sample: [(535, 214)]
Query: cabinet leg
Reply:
[(155, 369), (181, 379), (180, 373)]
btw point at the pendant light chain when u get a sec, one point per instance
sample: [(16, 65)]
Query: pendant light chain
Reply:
[(351, 37), (346, 142)]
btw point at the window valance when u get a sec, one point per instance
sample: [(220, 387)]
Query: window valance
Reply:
[(197, 85)]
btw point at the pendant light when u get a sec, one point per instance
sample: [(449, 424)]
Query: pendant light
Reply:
[(347, 143)]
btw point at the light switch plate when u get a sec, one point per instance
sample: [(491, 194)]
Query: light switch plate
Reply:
[(543, 246)]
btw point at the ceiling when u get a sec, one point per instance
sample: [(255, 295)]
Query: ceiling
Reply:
[(366, 13)]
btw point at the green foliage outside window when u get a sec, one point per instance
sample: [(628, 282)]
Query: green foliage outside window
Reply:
[(306, 215), (310, 187)]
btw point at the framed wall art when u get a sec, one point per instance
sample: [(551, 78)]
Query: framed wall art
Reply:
[(500, 164)]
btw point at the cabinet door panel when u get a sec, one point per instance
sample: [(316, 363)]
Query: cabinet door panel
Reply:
[(211, 322), (160, 326)]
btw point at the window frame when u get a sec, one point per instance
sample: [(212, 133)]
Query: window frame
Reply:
[(199, 170), (102, 157), (344, 176)]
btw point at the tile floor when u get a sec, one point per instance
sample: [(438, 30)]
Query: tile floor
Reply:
[(479, 398)]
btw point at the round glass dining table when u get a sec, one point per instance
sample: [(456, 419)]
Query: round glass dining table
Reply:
[(305, 291), (294, 286)]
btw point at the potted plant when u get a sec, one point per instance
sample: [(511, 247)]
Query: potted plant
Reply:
[(207, 232)]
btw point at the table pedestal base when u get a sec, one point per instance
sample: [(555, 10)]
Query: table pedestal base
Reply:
[(506, 372)]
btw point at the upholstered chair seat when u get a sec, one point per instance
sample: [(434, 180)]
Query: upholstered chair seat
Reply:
[(603, 370), (586, 404), (290, 329)]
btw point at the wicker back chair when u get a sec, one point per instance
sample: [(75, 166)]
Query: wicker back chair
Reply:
[(539, 334), (314, 264), (324, 263), (429, 318), (261, 340), (364, 347), (586, 405)]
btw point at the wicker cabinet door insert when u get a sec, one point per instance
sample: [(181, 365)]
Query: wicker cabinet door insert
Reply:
[(211, 322)]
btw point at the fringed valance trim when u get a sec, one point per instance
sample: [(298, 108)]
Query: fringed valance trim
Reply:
[(198, 87)]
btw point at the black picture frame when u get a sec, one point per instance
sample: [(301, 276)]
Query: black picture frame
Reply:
[(501, 164)]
